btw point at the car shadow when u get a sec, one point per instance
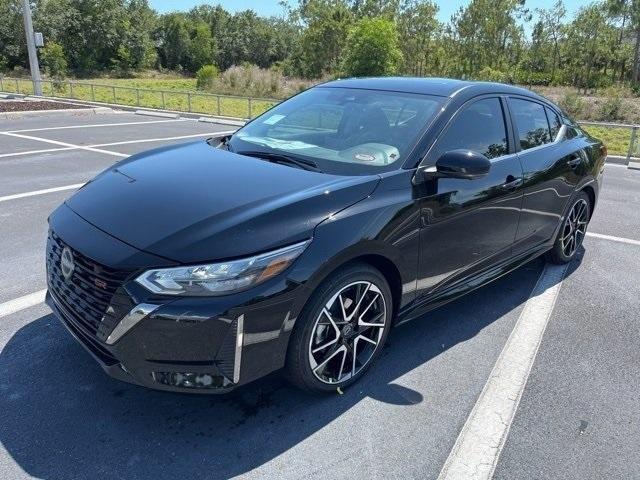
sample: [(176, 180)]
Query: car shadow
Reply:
[(62, 417)]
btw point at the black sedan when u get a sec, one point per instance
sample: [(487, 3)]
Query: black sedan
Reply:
[(299, 241)]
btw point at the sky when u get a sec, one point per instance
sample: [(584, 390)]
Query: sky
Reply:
[(272, 7)]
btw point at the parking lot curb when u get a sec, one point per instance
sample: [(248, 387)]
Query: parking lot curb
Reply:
[(634, 165), (156, 113), (237, 123), (11, 96), (620, 160), (37, 113)]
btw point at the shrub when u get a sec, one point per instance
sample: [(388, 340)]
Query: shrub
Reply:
[(611, 106), (206, 77), (488, 74), (527, 77), (635, 89), (573, 104), (54, 60)]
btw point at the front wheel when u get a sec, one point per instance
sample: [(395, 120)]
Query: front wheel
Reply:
[(341, 330), (572, 231)]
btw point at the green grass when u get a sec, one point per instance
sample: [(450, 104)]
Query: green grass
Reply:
[(178, 93), (616, 139)]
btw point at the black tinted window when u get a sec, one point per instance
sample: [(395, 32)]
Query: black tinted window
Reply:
[(532, 124), (479, 127), (554, 123)]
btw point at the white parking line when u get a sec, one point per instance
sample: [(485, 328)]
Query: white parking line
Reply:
[(478, 447), (35, 152), (15, 305), (162, 138), (63, 144), (41, 192), (93, 147), (97, 125), (629, 241)]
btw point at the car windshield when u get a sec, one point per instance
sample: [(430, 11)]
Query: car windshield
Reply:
[(343, 130)]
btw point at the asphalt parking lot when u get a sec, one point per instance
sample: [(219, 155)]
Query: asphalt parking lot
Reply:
[(61, 417)]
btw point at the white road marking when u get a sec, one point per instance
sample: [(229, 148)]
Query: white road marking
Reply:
[(35, 152), (41, 192), (94, 147), (478, 447), (98, 125), (17, 304), (615, 165), (63, 144), (630, 241), (145, 140)]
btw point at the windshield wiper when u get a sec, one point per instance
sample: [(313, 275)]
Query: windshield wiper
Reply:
[(282, 158)]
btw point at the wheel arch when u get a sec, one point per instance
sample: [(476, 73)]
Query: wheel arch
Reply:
[(591, 193)]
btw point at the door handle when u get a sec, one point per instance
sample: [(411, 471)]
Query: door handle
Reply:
[(575, 160), (512, 183)]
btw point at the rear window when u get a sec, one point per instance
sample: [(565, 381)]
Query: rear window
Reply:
[(531, 122)]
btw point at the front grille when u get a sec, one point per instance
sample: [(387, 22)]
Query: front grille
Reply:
[(91, 297)]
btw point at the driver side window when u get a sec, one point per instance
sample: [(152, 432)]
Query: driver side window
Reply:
[(479, 127)]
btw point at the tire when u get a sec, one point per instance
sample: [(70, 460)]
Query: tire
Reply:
[(572, 231), (320, 354)]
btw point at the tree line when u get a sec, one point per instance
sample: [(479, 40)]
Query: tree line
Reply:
[(501, 40)]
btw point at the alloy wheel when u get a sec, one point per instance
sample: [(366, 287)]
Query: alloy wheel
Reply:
[(575, 227), (347, 332)]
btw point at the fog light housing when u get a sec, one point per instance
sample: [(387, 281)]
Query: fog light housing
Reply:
[(189, 380)]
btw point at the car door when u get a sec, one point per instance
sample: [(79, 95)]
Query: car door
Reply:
[(552, 163), (469, 225)]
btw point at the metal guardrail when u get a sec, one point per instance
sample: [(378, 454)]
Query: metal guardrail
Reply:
[(634, 134), (197, 102), (178, 100)]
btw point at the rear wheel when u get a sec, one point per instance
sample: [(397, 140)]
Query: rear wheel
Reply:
[(572, 231), (341, 330)]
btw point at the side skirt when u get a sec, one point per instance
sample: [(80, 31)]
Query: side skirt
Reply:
[(430, 302)]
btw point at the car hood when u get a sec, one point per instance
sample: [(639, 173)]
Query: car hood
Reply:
[(195, 203)]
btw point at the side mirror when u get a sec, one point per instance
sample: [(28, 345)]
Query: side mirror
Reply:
[(218, 142), (465, 164)]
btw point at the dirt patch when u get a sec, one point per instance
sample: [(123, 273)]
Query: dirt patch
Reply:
[(28, 105)]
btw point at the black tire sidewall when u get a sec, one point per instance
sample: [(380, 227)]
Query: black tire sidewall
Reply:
[(298, 369), (557, 254)]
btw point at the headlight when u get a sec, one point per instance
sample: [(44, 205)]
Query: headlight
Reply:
[(220, 278)]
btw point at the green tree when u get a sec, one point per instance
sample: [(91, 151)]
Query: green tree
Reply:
[(586, 49), (173, 40), (12, 48), (325, 25), (486, 34), (420, 33), (551, 20), (202, 47), (372, 48), (54, 60)]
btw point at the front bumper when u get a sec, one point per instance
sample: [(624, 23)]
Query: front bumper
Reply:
[(126, 359), (197, 344)]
